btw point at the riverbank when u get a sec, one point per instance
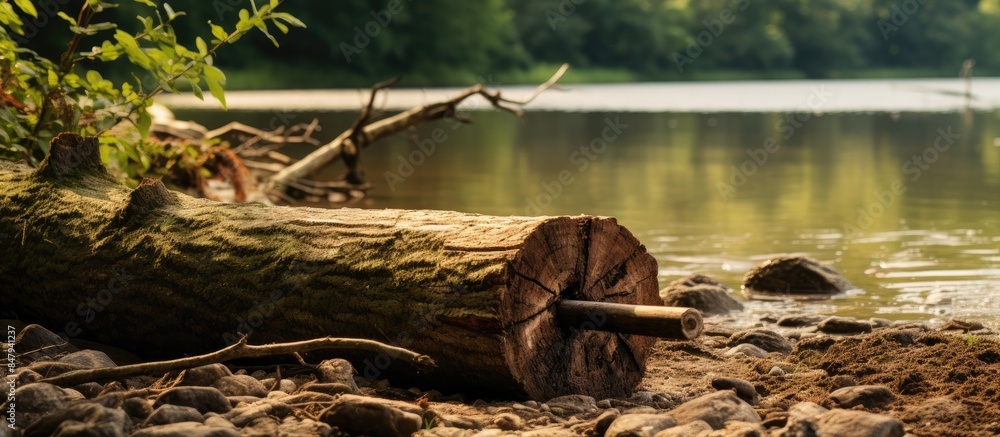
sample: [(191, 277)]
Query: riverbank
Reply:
[(287, 77), (806, 97), (785, 376)]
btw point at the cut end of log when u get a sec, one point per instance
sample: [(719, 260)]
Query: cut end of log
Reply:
[(150, 195), (71, 153), (585, 259)]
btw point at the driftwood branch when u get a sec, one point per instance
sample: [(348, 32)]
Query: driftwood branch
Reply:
[(236, 351), (372, 131)]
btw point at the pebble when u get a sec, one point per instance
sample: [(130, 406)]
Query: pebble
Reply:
[(709, 299), (338, 371), (776, 371), (261, 427), (639, 425), (869, 396), (841, 381), (186, 429), (800, 320), (691, 429), (240, 385), (89, 359), (795, 275), (165, 414), (573, 404), (89, 390), (83, 419), (137, 408), (460, 422), (203, 399), (357, 415), (743, 389), (746, 349), (216, 420), (38, 399), (508, 422), (205, 376), (36, 343), (292, 426), (604, 421), (330, 388), (716, 409), (857, 424), (844, 325), (763, 338)]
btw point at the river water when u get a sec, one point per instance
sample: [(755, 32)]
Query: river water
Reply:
[(897, 183)]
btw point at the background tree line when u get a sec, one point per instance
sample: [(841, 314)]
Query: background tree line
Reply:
[(450, 42)]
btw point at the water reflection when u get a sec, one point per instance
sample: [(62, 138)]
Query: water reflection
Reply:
[(913, 225)]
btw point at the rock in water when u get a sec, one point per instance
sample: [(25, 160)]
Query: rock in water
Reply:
[(844, 325), (702, 293), (794, 275)]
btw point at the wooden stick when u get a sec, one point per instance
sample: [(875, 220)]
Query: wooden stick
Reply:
[(654, 321), (238, 350)]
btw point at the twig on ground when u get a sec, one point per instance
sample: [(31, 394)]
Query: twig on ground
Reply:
[(237, 351)]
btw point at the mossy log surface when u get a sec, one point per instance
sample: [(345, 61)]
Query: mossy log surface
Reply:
[(164, 274)]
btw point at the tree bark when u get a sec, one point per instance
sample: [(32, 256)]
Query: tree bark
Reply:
[(164, 274)]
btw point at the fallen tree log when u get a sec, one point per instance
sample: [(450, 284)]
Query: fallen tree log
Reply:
[(164, 274)]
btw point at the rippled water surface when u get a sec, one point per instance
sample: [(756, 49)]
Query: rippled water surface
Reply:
[(914, 226)]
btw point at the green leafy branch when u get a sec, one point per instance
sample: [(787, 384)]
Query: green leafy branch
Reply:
[(39, 98)]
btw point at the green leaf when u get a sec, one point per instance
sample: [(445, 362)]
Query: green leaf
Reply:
[(170, 12), (144, 122), (281, 27), (147, 3), (93, 77), (97, 27), (27, 7), (218, 32), (214, 78), (288, 18), (53, 79), (109, 51), (202, 47), (197, 91), (64, 16), (131, 47)]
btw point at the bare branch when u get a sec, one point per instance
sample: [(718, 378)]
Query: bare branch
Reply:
[(239, 350), (369, 132)]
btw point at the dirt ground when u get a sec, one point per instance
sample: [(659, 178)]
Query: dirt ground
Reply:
[(947, 383)]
